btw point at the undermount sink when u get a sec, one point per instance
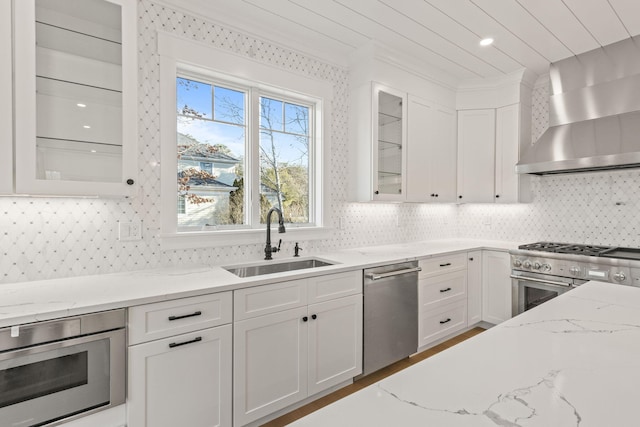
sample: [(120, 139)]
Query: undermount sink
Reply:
[(250, 270)]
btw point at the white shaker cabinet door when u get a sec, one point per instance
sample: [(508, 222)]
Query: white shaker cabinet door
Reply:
[(335, 342), (496, 287), (270, 363), (474, 287), (181, 381), (476, 156)]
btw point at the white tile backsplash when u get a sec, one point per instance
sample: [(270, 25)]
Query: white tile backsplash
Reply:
[(61, 237)]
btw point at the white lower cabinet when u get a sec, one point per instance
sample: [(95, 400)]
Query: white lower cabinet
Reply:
[(496, 286), (181, 379), (442, 296), (474, 287), (285, 356)]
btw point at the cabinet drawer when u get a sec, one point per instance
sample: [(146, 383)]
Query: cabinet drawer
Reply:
[(164, 319), (260, 300), (443, 264), (332, 286), (443, 321), (442, 289)]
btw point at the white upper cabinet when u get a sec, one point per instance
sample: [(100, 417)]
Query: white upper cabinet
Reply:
[(476, 155), (75, 97), (494, 124), (6, 113), (431, 152), (380, 135)]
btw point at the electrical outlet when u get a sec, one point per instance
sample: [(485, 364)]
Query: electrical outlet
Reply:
[(341, 223), (129, 231)]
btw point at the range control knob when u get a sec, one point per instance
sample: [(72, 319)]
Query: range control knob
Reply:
[(526, 264), (537, 265), (619, 277), (575, 270), (546, 267), (517, 263)]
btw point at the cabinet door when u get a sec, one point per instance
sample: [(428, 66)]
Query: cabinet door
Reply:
[(389, 144), (270, 363), (181, 381), (335, 342), (476, 156), (474, 287), (431, 152), (496, 287), (419, 151), (507, 146), (442, 164), (75, 97), (6, 107)]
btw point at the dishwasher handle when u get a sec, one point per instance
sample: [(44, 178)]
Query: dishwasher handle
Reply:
[(374, 276)]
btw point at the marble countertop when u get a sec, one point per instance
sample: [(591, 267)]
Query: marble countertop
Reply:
[(573, 361), (27, 302)]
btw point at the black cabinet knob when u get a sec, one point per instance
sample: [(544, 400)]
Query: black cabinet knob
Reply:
[(459, 197), (130, 181), (376, 192), (470, 259), (433, 195), (436, 195), (497, 196), (305, 318), (314, 316)]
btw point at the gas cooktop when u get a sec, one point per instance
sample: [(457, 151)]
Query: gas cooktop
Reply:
[(587, 250)]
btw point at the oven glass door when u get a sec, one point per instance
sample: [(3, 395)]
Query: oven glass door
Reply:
[(54, 381), (530, 294)]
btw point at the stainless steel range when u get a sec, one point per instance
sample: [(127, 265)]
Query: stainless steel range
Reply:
[(544, 270)]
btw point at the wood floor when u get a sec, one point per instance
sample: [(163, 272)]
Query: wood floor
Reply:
[(368, 380)]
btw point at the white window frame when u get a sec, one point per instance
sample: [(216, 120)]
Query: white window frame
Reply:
[(178, 55)]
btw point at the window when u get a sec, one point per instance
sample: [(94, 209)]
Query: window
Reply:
[(263, 130), (230, 172)]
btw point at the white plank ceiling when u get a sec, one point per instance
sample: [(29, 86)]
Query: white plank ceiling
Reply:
[(439, 33)]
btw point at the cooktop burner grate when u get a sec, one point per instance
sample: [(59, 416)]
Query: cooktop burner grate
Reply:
[(568, 248)]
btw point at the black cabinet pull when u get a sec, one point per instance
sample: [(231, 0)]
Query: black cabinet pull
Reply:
[(130, 181), (314, 316), (497, 196), (459, 197), (471, 259), (376, 192), (445, 265), (197, 313), (445, 290), (433, 195), (178, 344), (442, 322), (305, 318), (436, 195)]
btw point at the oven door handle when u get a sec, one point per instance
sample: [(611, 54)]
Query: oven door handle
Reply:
[(549, 282)]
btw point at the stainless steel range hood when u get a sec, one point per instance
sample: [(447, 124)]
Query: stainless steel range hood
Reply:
[(594, 113)]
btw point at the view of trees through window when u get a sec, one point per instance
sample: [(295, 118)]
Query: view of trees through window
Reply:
[(212, 151)]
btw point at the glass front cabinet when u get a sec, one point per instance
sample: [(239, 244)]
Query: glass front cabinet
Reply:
[(75, 97), (389, 142), (379, 131)]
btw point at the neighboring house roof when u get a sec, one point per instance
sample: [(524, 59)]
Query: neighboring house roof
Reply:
[(197, 180), (191, 148)]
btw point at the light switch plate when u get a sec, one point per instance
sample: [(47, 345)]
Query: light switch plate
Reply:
[(129, 231)]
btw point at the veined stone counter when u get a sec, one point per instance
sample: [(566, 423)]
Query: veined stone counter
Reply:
[(573, 361)]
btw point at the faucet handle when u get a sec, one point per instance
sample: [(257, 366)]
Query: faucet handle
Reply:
[(278, 248), (296, 249)]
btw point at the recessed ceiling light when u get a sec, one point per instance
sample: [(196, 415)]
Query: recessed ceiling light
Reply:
[(486, 42), (81, 105), (94, 151), (86, 127)]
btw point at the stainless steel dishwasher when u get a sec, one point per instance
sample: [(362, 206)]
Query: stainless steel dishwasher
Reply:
[(390, 314)]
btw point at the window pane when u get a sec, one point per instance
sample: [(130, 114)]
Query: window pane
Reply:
[(296, 119), (210, 165), (194, 98), (271, 114), (284, 175), (228, 105)]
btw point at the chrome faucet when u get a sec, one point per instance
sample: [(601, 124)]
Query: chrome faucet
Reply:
[(268, 249)]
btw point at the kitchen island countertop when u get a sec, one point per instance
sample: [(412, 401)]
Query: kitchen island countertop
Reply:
[(573, 361)]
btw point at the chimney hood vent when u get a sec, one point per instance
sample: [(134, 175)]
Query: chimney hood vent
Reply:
[(594, 113)]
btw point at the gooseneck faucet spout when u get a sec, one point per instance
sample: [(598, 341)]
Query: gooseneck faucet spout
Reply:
[(268, 249)]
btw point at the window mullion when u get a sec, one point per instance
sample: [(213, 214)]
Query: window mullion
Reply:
[(253, 159)]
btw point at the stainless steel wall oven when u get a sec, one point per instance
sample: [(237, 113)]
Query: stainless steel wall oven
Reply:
[(53, 371)]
